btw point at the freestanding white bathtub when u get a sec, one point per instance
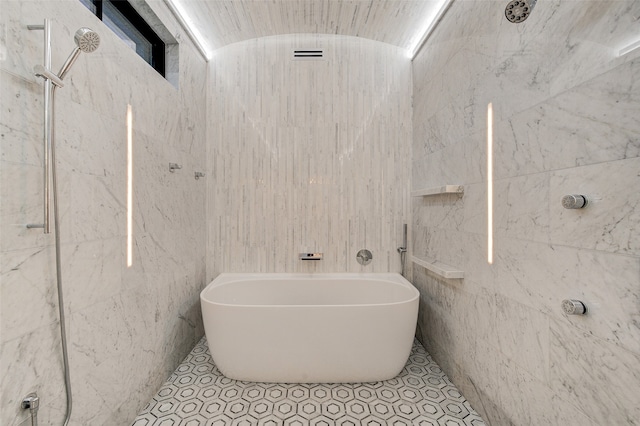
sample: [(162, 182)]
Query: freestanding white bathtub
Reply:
[(310, 328)]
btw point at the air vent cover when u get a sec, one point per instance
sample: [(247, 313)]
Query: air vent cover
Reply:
[(308, 55)]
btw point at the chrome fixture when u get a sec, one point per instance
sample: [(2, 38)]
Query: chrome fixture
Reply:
[(574, 201), (519, 10), (41, 71), (31, 402), (403, 249), (573, 307), (86, 41), (198, 175), (174, 166), (310, 256), (47, 125), (364, 257)]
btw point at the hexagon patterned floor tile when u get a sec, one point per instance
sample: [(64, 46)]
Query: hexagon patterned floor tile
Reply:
[(197, 394)]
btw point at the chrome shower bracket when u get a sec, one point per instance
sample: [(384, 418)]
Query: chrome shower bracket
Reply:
[(198, 175), (174, 166), (47, 74)]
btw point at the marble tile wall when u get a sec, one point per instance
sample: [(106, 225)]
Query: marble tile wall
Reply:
[(566, 109), (307, 156), (127, 327)]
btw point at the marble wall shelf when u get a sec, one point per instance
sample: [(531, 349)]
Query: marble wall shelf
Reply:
[(439, 268), (446, 189)]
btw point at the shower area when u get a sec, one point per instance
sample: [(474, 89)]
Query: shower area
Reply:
[(86, 41), (243, 162), (127, 327)]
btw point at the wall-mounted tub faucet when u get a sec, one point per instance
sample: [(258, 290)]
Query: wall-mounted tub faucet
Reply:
[(174, 166), (310, 256)]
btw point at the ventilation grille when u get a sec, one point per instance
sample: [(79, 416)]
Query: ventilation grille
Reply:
[(308, 55)]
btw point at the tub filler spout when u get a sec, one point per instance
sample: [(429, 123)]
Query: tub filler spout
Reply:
[(310, 256)]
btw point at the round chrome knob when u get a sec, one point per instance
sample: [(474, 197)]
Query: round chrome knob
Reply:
[(573, 307), (364, 257), (574, 201)]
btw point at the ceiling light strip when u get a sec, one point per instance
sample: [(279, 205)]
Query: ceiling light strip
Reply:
[(430, 26), (182, 18)]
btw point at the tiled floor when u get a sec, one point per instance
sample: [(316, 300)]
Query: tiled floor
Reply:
[(198, 394)]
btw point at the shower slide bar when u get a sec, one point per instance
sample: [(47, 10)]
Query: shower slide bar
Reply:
[(49, 80), (87, 41)]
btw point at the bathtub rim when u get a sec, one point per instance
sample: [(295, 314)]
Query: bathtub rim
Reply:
[(227, 278)]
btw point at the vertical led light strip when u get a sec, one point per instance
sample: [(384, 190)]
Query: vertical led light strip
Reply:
[(490, 183), (129, 186)]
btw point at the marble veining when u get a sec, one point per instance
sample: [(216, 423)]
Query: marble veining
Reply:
[(322, 156), (565, 122), (612, 221), (570, 366), (127, 327)]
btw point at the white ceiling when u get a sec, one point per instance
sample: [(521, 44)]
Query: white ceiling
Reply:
[(222, 22)]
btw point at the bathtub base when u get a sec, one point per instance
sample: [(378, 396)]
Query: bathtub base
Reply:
[(308, 352)]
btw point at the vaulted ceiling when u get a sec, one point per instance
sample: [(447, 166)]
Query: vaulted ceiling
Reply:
[(222, 22)]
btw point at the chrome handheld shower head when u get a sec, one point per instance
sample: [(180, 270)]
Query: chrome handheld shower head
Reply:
[(519, 10), (87, 41)]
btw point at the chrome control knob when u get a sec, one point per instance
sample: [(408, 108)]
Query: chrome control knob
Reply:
[(573, 307), (574, 201), (364, 257)]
